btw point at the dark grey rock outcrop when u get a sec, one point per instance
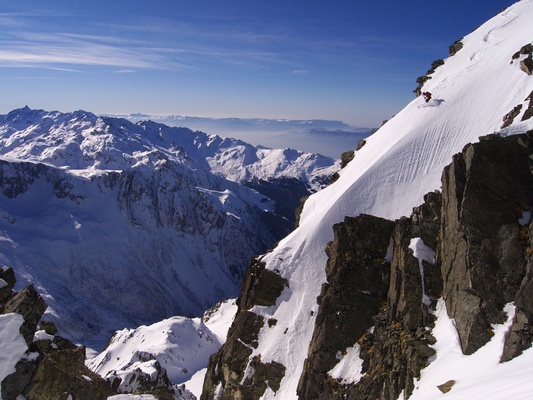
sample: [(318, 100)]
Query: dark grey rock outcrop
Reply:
[(54, 367), (508, 118), (529, 110), (227, 371), (31, 306), (526, 64), (455, 47), (421, 80), (7, 283), (357, 275), (346, 157), (486, 189), (397, 347)]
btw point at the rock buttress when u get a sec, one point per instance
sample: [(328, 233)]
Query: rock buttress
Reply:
[(487, 189), (357, 283), (232, 372)]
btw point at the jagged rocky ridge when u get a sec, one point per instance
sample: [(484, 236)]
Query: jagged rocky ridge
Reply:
[(52, 367), (380, 298)]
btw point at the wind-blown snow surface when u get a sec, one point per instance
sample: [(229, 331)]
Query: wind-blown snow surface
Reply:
[(119, 224), (399, 164)]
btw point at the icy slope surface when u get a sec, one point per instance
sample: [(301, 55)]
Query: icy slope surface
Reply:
[(472, 92)]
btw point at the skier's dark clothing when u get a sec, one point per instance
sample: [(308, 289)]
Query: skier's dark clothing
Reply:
[(427, 96)]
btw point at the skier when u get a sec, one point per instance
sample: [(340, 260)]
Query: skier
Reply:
[(427, 96)]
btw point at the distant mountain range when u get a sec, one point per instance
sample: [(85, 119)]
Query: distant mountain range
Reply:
[(328, 137), (120, 224)]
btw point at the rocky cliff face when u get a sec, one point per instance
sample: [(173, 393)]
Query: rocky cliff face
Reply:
[(486, 251), (470, 245)]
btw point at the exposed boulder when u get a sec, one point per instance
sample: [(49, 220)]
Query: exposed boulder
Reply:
[(519, 336), (62, 371), (53, 368), (508, 118), (263, 376), (31, 306), (446, 386), (529, 110), (261, 286), (346, 157), (299, 210), (7, 283), (526, 63), (421, 80), (455, 47)]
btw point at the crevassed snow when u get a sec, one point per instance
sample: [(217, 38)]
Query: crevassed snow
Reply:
[(397, 166), (12, 344)]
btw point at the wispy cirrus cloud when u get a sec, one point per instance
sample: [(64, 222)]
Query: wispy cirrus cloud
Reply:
[(160, 43), (63, 51)]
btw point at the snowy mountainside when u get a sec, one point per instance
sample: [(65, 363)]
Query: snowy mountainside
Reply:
[(472, 93), (120, 224)]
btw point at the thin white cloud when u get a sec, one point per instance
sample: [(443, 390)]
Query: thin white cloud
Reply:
[(137, 45), (60, 50)]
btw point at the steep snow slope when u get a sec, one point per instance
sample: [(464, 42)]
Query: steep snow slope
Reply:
[(472, 92), (120, 224)]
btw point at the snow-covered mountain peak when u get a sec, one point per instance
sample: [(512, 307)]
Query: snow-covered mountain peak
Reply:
[(83, 141)]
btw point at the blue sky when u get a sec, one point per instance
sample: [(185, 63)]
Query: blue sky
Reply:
[(353, 61)]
